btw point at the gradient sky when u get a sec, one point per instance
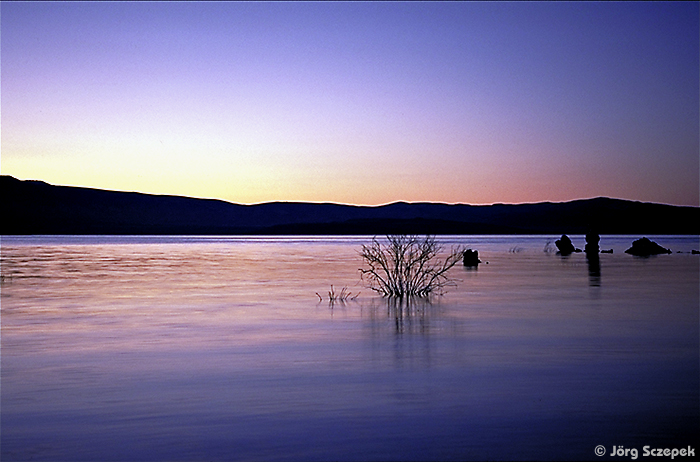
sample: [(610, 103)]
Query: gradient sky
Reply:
[(361, 102)]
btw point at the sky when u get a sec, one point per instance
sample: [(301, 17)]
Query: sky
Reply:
[(355, 102)]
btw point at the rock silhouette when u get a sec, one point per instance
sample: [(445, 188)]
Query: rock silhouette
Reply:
[(593, 259), (644, 247), (592, 240), (565, 246), (471, 258)]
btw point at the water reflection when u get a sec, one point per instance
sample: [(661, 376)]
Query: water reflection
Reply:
[(413, 334), (407, 315), (593, 260), (215, 351)]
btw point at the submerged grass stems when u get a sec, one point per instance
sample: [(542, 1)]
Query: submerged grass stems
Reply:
[(341, 296)]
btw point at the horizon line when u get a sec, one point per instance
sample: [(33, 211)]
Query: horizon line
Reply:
[(397, 201)]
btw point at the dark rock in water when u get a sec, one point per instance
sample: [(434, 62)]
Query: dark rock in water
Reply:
[(592, 240), (695, 252), (644, 247), (565, 245), (471, 258), (606, 251)]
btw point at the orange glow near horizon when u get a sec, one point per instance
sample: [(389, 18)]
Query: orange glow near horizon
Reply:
[(453, 102)]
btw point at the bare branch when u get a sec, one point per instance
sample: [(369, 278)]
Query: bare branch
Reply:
[(407, 266)]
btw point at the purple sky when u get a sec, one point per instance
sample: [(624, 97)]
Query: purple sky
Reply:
[(358, 102)]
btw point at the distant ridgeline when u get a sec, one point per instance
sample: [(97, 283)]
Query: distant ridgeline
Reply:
[(35, 207)]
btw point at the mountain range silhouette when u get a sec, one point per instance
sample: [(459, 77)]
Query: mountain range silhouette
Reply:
[(36, 207)]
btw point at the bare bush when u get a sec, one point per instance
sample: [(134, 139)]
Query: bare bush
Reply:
[(408, 266)]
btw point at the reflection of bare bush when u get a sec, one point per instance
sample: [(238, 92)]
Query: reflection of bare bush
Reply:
[(409, 314), (408, 266), (406, 315)]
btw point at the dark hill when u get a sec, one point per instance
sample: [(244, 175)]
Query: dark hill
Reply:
[(35, 207)]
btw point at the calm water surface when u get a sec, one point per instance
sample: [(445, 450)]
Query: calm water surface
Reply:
[(216, 348)]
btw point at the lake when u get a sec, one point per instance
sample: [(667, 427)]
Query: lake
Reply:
[(150, 348)]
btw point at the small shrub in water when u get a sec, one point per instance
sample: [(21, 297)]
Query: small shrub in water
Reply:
[(408, 266)]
